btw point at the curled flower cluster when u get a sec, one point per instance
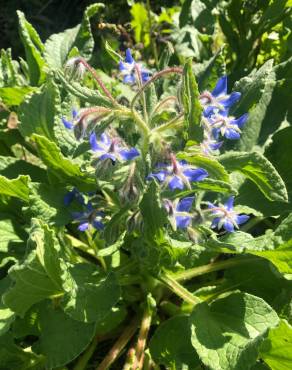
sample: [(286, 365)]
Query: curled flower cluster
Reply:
[(176, 175)]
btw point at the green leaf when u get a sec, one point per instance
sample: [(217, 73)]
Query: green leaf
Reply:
[(227, 334), (63, 170), (9, 75), (12, 236), (259, 170), (15, 188), (13, 96), (15, 357), (37, 114), (281, 257), (154, 215), (34, 48), (6, 315), (91, 295), (171, 344), (47, 204), (39, 276), (62, 339), (192, 107), (276, 350), (58, 46), (214, 168), (278, 152)]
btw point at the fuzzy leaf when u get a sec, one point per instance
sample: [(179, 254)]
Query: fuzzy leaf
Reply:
[(34, 48), (58, 46), (192, 106), (258, 169), (226, 334), (15, 188)]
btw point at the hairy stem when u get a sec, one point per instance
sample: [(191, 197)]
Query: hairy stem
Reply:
[(119, 345), (152, 40), (211, 267), (142, 338), (99, 81), (155, 77), (176, 121), (178, 289)]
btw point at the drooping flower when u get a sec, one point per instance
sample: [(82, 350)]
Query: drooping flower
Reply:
[(219, 98), (210, 144), (226, 217), (108, 148), (74, 194), (179, 174), (128, 69), (227, 126), (89, 218), (178, 212)]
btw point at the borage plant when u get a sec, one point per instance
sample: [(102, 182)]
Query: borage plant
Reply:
[(138, 254)]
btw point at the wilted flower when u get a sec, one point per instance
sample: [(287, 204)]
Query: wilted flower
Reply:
[(128, 69), (218, 98), (178, 212), (75, 68), (226, 217), (178, 174), (90, 217), (108, 148)]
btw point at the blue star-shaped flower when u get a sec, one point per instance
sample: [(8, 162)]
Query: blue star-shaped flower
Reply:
[(178, 174), (226, 217), (108, 148), (127, 69), (88, 218), (219, 98), (70, 124), (227, 126), (178, 212), (73, 194)]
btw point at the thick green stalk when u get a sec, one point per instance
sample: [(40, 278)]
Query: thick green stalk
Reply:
[(119, 345), (211, 267), (178, 289), (86, 356)]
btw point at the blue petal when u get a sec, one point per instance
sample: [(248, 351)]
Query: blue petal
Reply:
[(215, 222), (215, 146), (68, 198), (185, 204), (105, 139), (129, 79), (67, 124), (211, 205), (210, 111), (145, 76), (241, 219), (129, 58), (74, 113), (233, 98), (228, 226), (93, 142), (129, 154), (176, 183), (108, 156), (83, 226), (97, 225), (197, 174), (122, 66), (221, 87), (160, 176), (229, 204), (232, 134), (240, 121), (89, 207), (182, 221)]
